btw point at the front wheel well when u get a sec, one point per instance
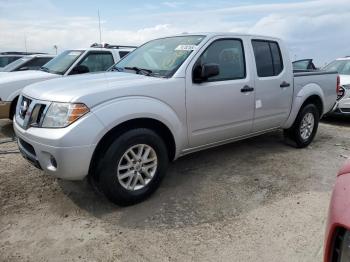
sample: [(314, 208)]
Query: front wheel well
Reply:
[(317, 101), (161, 129), (13, 107)]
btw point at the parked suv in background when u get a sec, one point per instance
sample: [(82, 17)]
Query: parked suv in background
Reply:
[(170, 97), (29, 62), (6, 59), (9, 57), (70, 62), (342, 66)]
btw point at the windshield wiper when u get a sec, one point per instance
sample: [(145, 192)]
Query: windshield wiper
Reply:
[(139, 70), (118, 69), (45, 69)]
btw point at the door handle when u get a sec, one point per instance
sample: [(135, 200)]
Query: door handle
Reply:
[(247, 88), (284, 84)]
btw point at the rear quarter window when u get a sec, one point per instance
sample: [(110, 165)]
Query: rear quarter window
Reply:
[(123, 53)]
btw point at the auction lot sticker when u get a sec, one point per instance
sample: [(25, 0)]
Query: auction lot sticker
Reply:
[(185, 47)]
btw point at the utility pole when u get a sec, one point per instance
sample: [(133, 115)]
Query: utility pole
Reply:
[(99, 25), (25, 44)]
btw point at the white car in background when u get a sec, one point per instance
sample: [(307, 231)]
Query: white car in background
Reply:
[(8, 57), (342, 66), (96, 58), (29, 62)]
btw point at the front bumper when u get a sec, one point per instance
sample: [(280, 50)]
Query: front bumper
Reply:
[(5, 108), (64, 152)]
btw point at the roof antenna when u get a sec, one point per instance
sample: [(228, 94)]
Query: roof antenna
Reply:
[(99, 25)]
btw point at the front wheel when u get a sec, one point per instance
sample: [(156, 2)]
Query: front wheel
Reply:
[(133, 166), (305, 126)]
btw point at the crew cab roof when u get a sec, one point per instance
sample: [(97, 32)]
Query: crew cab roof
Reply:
[(215, 34)]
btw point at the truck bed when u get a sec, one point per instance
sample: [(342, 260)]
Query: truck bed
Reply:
[(318, 79)]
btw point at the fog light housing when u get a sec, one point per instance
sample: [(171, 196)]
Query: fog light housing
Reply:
[(53, 161)]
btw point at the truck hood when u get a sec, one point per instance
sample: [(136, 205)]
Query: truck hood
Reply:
[(12, 83), (92, 89), (25, 75), (344, 79)]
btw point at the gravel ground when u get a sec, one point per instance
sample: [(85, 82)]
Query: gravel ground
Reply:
[(255, 200)]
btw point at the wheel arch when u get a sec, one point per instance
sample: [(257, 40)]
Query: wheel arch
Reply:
[(317, 101), (311, 93), (153, 124), (13, 107)]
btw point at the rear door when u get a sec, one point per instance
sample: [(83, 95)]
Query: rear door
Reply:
[(222, 107), (273, 85)]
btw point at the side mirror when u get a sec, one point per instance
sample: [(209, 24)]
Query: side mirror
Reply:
[(80, 69), (24, 68), (201, 73)]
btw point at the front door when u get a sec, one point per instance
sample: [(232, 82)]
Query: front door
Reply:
[(222, 107)]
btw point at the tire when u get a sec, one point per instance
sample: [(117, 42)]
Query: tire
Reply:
[(113, 166), (296, 134)]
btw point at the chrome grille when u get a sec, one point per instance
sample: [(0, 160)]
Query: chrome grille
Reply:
[(24, 106), (30, 112)]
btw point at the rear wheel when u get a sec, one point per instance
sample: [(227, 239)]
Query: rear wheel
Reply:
[(305, 126), (133, 166)]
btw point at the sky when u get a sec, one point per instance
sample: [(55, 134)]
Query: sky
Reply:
[(317, 29)]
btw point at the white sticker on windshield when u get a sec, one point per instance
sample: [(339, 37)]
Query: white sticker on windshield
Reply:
[(186, 47)]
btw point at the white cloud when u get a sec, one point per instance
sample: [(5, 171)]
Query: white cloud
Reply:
[(71, 33), (172, 4), (313, 29)]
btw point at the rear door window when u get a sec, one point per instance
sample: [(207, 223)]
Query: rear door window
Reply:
[(277, 58), (268, 58)]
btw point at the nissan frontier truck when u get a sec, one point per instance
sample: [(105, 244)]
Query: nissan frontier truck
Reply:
[(170, 97)]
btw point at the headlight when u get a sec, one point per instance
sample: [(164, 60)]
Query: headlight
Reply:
[(63, 114)]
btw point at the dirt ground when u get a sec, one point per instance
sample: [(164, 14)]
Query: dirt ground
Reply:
[(255, 200)]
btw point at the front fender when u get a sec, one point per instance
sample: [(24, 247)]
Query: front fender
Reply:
[(9, 91), (115, 112), (304, 93)]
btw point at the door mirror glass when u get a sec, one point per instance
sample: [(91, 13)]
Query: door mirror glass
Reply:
[(201, 73), (80, 69)]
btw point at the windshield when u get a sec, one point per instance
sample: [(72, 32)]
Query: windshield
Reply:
[(14, 65), (5, 60), (61, 63), (160, 57), (341, 66)]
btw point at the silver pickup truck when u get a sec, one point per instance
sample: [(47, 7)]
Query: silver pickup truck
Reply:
[(170, 97)]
